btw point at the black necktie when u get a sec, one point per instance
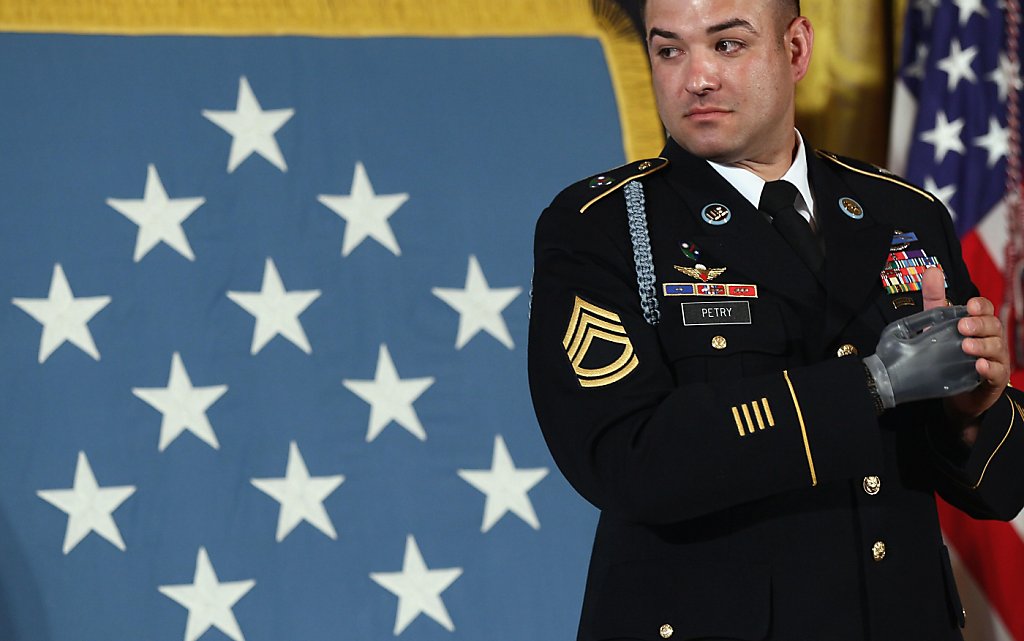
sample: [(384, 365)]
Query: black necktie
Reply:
[(778, 200)]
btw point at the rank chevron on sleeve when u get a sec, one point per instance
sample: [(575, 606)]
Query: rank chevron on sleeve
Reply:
[(589, 327)]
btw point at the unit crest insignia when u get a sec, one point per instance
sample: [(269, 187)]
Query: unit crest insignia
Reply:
[(597, 345)]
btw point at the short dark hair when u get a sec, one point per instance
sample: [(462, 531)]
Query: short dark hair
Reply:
[(791, 7)]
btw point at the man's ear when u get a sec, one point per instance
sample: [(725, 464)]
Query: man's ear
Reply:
[(799, 42)]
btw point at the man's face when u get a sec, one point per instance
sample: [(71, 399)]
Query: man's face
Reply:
[(724, 76)]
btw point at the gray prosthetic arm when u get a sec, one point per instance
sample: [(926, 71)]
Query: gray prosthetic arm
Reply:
[(920, 357)]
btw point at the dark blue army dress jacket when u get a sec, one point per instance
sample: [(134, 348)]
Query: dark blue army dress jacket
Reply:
[(717, 413)]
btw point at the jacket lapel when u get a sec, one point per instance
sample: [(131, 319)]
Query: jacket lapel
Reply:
[(855, 249)]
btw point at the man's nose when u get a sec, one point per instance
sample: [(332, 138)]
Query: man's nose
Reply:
[(702, 75)]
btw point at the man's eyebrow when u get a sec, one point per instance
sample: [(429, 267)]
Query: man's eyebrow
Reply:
[(735, 23), (671, 35)]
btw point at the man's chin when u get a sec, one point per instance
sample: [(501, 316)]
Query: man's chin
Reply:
[(714, 150)]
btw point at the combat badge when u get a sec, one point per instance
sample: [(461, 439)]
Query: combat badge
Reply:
[(902, 239), (599, 334)]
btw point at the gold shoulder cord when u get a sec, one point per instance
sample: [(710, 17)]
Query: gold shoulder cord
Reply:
[(894, 181), (642, 169)]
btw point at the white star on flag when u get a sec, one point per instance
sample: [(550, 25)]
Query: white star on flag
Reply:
[(968, 8), (418, 589), (301, 496), (927, 9), (945, 137), (90, 508), (958, 65), (276, 310), (996, 141), (159, 218), (479, 306), (1006, 75), (506, 487), (365, 213), (917, 70), (183, 406), (252, 129), (208, 601), (944, 194), (64, 317), (390, 397)]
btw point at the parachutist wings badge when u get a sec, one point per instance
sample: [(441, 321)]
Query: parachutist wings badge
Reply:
[(597, 345), (702, 273)]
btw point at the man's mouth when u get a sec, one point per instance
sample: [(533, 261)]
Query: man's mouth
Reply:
[(705, 113)]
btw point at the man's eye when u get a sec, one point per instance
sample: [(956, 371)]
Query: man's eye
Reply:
[(668, 52), (728, 46)]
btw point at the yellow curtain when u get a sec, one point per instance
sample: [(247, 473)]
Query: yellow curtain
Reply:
[(843, 103)]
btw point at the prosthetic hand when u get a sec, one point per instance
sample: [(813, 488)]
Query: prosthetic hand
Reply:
[(920, 357)]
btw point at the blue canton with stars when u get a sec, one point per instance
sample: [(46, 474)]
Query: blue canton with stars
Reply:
[(956, 67), (263, 336)]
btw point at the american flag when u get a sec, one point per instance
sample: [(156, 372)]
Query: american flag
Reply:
[(262, 342), (954, 117)]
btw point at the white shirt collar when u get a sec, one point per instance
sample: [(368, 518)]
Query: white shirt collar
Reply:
[(750, 185)]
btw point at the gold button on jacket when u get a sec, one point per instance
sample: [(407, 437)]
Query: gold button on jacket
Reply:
[(872, 485), (878, 550), (846, 350)]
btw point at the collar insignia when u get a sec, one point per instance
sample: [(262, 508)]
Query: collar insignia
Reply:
[(851, 208), (716, 214)]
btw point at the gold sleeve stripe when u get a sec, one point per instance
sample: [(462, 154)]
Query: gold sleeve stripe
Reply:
[(1014, 410), (803, 429), (757, 415), (739, 424), (768, 412), (746, 415)]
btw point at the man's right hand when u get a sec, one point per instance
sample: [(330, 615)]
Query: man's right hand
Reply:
[(921, 356)]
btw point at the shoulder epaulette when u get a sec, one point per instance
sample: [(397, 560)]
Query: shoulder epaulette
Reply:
[(871, 171), (613, 179)]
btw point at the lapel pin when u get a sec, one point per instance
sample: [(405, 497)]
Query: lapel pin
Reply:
[(601, 181), (716, 214), (851, 208)]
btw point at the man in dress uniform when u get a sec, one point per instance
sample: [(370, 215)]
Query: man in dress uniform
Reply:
[(711, 366)]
